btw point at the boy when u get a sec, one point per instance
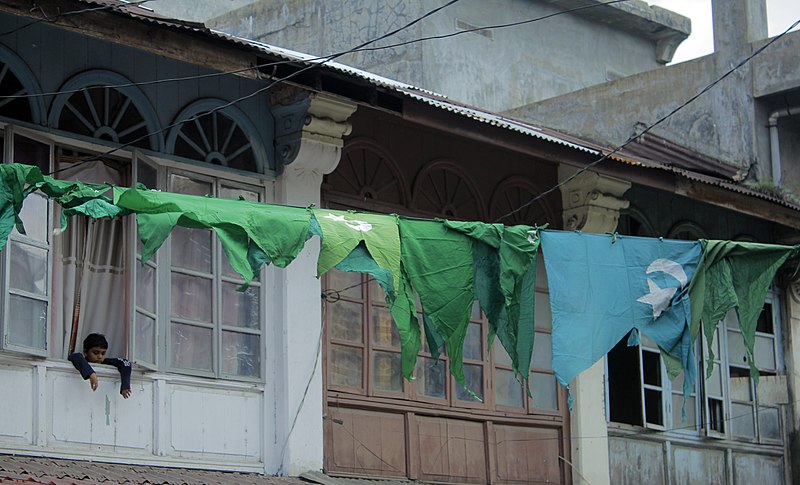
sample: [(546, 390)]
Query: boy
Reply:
[(95, 346)]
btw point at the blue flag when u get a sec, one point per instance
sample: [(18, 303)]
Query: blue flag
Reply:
[(604, 286)]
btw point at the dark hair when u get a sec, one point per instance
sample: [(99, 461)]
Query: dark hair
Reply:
[(94, 340)]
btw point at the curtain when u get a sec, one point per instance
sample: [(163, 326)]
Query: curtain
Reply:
[(91, 273)]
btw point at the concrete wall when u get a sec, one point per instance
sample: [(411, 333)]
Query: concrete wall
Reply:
[(729, 122), (495, 69)]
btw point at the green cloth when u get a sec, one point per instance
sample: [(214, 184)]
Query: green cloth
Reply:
[(343, 233), (733, 275), (505, 283), (438, 264), (251, 233), (17, 181)]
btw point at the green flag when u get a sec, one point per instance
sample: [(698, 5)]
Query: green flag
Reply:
[(733, 275)]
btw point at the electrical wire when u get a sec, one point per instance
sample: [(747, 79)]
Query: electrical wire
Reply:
[(47, 18), (292, 61), (260, 90), (653, 125)]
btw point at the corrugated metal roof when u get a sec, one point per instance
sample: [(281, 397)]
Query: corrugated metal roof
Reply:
[(442, 102), (24, 469)]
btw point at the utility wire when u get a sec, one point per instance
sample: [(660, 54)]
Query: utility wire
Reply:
[(47, 18), (261, 90), (650, 127), (292, 61)]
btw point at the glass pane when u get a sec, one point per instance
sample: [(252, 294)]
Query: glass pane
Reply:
[(476, 310), (431, 377), (501, 357), (716, 415), (474, 377), (714, 383), (688, 424), (27, 322), (384, 332), (346, 366), (146, 287), (145, 333), (764, 352), (376, 292), (241, 354), (346, 321), (237, 192), (191, 249), (651, 363), (740, 385), (191, 297), (736, 352), (147, 175), (764, 322), (653, 407), (34, 218), (339, 280), (542, 351), (541, 310), (742, 422), (541, 273), (227, 270), (473, 342), (185, 185), (241, 309), (191, 347), (769, 423), (508, 391), (28, 268), (387, 371), (32, 152), (545, 390)]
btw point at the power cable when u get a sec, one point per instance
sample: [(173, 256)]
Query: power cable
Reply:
[(650, 127), (47, 18), (292, 61), (260, 90)]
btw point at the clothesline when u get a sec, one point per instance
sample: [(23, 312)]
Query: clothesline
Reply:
[(601, 286)]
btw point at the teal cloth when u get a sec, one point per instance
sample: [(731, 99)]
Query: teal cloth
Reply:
[(603, 286)]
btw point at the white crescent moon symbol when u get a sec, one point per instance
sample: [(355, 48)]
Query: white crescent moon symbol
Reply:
[(671, 268)]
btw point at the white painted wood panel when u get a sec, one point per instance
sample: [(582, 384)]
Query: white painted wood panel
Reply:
[(100, 419), (215, 422), (16, 419)]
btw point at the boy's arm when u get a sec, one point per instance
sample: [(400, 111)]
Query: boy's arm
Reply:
[(80, 363), (124, 368)]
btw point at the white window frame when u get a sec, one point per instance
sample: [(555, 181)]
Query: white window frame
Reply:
[(9, 133), (701, 404)]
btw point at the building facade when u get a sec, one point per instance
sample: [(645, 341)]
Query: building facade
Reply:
[(275, 381)]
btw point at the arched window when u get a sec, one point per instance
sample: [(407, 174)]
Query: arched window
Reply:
[(442, 188), (105, 106), (216, 133), (16, 79), (516, 192)]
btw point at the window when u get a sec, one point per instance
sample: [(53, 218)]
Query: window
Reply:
[(212, 328), (27, 258), (364, 355), (184, 310), (729, 407)]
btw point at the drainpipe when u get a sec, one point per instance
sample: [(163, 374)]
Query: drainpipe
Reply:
[(774, 144)]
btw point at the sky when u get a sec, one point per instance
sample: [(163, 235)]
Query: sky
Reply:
[(780, 15)]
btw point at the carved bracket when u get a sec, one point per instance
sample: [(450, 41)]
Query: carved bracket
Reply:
[(591, 201), (310, 117)]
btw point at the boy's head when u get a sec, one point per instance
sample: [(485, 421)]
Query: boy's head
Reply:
[(95, 346)]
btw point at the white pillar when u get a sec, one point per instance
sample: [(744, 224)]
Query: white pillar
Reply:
[(297, 389), (591, 203)]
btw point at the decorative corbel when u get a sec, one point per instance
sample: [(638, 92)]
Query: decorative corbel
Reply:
[(591, 201)]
